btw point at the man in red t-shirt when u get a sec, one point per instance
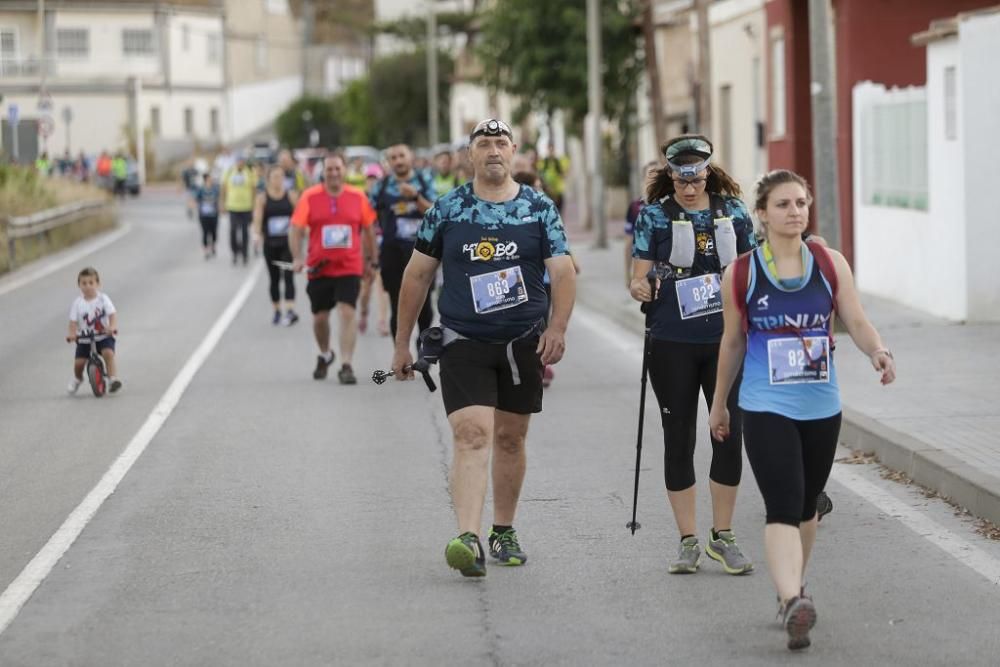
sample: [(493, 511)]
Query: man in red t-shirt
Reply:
[(338, 219)]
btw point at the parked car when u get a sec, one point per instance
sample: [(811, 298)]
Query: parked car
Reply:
[(368, 154)]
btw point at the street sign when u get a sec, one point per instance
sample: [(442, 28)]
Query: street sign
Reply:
[(13, 114), (46, 126), (45, 102)]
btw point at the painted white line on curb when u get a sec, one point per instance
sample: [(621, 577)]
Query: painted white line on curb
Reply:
[(24, 586), (71, 257), (955, 546)]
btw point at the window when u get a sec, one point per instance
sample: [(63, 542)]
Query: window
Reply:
[(188, 121), (154, 120), (72, 42), (185, 38), (214, 50), (261, 55), (213, 121), (950, 102), (778, 86), (8, 43), (137, 42)]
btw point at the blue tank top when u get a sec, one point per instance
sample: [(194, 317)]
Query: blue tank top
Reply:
[(788, 367)]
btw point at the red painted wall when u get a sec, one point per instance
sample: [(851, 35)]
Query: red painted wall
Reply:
[(873, 44)]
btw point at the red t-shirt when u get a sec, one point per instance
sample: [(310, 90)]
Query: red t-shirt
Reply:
[(335, 225)]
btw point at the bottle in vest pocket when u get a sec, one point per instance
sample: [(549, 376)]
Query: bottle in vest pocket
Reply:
[(725, 240), (682, 248)]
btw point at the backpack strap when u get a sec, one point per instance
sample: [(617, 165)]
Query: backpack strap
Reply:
[(825, 262), (741, 276)]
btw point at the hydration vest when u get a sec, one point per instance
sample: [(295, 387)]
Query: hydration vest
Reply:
[(683, 247)]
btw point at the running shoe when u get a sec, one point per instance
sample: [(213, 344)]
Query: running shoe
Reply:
[(276, 318), (823, 505), (547, 375), (726, 551), (465, 554), (799, 618), (688, 557), (73, 385), (346, 375), (505, 548), (115, 385), (322, 363), (291, 318)]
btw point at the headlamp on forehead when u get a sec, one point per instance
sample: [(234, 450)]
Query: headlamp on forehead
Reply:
[(491, 128), (696, 146)]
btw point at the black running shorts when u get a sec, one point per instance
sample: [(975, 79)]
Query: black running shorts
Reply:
[(325, 292), (475, 373)]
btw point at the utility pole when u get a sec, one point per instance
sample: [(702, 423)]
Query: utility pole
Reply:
[(653, 72), (825, 164), (596, 104), (308, 21), (704, 69), (432, 77)]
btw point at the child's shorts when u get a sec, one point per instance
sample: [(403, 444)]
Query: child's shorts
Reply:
[(83, 349)]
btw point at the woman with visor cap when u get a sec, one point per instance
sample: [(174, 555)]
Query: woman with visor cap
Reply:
[(692, 227)]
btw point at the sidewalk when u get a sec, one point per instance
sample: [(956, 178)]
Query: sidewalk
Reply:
[(938, 422)]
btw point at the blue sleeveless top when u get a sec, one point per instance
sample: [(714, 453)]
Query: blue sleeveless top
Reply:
[(788, 367)]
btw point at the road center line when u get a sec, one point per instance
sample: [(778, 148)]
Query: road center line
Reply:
[(24, 586), (955, 546)]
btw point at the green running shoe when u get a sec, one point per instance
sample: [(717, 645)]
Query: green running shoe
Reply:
[(726, 551), (505, 548), (688, 557), (465, 554)]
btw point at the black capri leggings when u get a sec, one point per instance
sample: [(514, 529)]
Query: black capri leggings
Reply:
[(677, 371), (393, 259), (282, 254), (791, 460), (209, 229)]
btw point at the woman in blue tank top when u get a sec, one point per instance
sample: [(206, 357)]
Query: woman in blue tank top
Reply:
[(781, 337)]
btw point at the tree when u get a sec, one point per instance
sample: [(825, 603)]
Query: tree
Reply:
[(354, 109), (537, 51), (305, 114), (398, 87)]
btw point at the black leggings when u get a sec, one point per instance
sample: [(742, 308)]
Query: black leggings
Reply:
[(209, 230), (239, 229), (282, 254), (791, 460), (393, 260), (677, 371)]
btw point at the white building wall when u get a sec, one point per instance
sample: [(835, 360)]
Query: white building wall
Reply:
[(193, 66), (98, 120), (106, 58), (979, 138), (254, 105), (737, 47)]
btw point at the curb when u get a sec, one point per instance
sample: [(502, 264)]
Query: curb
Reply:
[(925, 464)]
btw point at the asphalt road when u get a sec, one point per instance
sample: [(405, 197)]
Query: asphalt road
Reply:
[(277, 520)]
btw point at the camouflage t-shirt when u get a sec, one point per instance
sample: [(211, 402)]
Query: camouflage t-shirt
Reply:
[(493, 258)]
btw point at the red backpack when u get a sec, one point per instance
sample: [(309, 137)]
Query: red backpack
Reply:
[(741, 276)]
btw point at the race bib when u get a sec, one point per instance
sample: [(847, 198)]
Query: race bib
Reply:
[(207, 208), (406, 228), (237, 179), (699, 296), (278, 225), (336, 236), (498, 290), (799, 360)]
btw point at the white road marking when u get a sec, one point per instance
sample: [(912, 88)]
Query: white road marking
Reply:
[(955, 546), (24, 586), (31, 274)]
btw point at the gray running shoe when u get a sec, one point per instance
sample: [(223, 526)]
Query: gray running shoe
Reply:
[(726, 551), (799, 619), (688, 557)]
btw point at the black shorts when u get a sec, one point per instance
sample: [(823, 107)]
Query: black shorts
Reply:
[(325, 292), (475, 373), (83, 349)]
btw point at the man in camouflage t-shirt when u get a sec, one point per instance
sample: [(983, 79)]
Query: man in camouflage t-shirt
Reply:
[(494, 239)]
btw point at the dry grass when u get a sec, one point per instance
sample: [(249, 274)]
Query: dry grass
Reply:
[(23, 191)]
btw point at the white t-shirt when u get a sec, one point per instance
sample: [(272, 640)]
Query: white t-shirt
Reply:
[(93, 318)]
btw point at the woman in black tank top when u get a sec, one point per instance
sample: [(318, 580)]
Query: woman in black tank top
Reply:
[(272, 216)]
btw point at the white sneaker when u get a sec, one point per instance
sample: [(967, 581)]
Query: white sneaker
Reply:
[(73, 385)]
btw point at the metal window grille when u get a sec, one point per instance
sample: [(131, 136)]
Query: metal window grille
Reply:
[(137, 42), (73, 42)]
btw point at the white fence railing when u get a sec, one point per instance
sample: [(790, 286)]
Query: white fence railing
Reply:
[(890, 155)]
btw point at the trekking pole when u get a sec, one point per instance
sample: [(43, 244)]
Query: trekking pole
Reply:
[(647, 308)]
